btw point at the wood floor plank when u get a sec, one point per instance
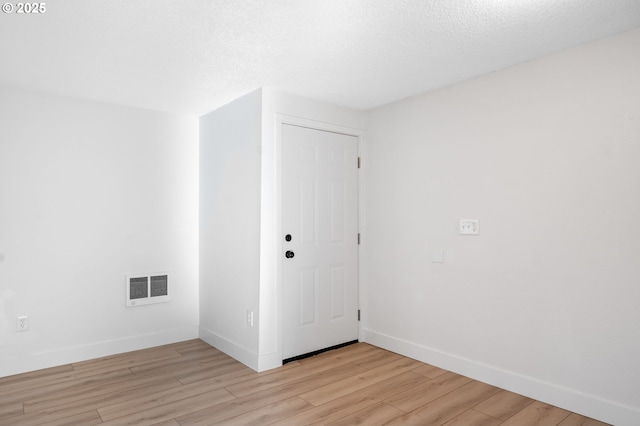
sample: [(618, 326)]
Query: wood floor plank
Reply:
[(354, 402), (359, 381), (226, 411), (289, 372), (473, 417), (191, 345), (232, 370), (269, 413), (503, 405), (184, 367), (260, 399), (173, 394), (331, 411), (577, 420), (88, 418), (538, 414), (10, 409), (172, 410), (427, 391), (448, 406), (343, 355), (377, 359), (34, 375), (170, 422), (189, 357), (126, 360), (54, 389), (269, 379), (52, 382), (168, 411), (81, 405), (429, 371), (378, 414), (156, 352), (86, 388)]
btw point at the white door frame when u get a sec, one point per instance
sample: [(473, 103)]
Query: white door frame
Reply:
[(282, 119)]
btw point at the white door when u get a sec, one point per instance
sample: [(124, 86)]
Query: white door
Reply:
[(320, 239)]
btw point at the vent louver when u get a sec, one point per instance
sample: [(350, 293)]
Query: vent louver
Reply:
[(145, 289)]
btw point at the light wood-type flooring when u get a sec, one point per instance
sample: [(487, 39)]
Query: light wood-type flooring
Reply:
[(191, 383)]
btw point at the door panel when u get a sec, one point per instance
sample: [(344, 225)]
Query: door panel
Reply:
[(336, 208), (320, 212), (337, 292), (308, 211), (308, 286)]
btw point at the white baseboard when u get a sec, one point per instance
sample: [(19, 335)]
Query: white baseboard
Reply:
[(269, 361), (60, 356), (569, 399), (235, 351)]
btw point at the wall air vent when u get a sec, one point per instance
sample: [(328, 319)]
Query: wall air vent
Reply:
[(145, 289)]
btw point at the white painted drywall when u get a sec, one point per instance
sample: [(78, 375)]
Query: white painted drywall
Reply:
[(89, 193), (240, 247), (546, 300), (230, 140)]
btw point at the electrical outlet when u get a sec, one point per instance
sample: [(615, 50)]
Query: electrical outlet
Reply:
[(250, 318), (22, 323), (469, 227)]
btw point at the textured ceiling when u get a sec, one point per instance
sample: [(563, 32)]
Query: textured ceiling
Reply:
[(192, 56)]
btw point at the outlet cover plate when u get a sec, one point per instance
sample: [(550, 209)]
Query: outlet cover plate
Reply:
[(469, 227), (22, 323)]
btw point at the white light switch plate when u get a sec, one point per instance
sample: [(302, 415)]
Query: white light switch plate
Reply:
[(469, 227)]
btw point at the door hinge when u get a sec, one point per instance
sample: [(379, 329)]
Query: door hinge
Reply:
[(359, 162), (358, 238), (358, 314)]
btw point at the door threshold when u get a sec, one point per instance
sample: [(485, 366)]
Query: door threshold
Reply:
[(319, 351)]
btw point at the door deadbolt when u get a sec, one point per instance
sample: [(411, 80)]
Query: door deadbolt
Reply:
[(287, 237)]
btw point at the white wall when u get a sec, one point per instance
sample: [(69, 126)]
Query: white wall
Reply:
[(546, 300), (230, 140), (90, 192), (240, 247)]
